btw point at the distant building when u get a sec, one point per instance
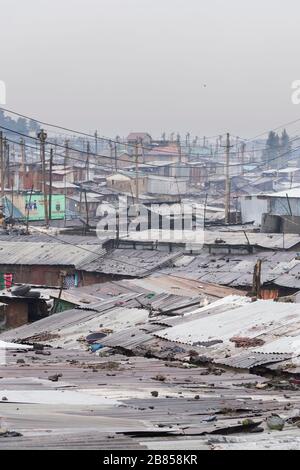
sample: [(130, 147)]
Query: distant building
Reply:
[(84, 204), (141, 137), (126, 182), (167, 153), (283, 203), (158, 185)]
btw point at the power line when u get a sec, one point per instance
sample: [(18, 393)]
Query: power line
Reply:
[(211, 174), (133, 145), (110, 140), (106, 139), (131, 161), (92, 136), (259, 164)]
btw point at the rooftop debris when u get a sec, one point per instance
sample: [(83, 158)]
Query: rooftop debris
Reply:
[(209, 389)]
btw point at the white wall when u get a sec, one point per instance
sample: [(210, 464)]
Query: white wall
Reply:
[(166, 186), (252, 209)]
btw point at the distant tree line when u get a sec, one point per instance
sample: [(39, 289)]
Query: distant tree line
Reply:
[(278, 149), (22, 125)]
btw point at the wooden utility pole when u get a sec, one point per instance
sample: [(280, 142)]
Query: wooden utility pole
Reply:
[(23, 161), (204, 214), (257, 279), (96, 143), (62, 277), (116, 156), (67, 154), (43, 137), (113, 153), (86, 210), (87, 165), (217, 147), (28, 210), (7, 162), (50, 184), (66, 162), (80, 201), (243, 148), (2, 167), (137, 195), (23, 154), (227, 188), (118, 229), (179, 151)]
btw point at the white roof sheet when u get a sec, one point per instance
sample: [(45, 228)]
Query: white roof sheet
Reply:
[(250, 320)]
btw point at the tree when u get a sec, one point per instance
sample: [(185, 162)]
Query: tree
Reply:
[(33, 126), (272, 149), (285, 149)]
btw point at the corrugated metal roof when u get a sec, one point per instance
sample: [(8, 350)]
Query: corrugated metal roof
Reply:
[(131, 263), (281, 268), (68, 327), (251, 359), (51, 238), (181, 286), (287, 280), (284, 345), (29, 253), (250, 320), (275, 241)]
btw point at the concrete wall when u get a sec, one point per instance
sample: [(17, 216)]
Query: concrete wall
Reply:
[(290, 224), (270, 223), (280, 224)]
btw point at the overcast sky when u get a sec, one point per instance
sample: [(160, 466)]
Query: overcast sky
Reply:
[(124, 65)]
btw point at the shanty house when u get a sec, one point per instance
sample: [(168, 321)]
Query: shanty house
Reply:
[(164, 185), (283, 203)]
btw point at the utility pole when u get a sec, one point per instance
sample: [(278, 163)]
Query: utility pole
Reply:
[(23, 161), (67, 154), (217, 147), (116, 156), (87, 211), (227, 188), (50, 184), (88, 162), (28, 209), (96, 142), (66, 161), (143, 151), (137, 172), (2, 168), (204, 214), (179, 151), (42, 136), (118, 229), (243, 148), (257, 279), (7, 162), (62, 277), (111, 151)]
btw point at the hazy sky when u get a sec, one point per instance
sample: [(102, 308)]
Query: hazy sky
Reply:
[(122, 65)]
